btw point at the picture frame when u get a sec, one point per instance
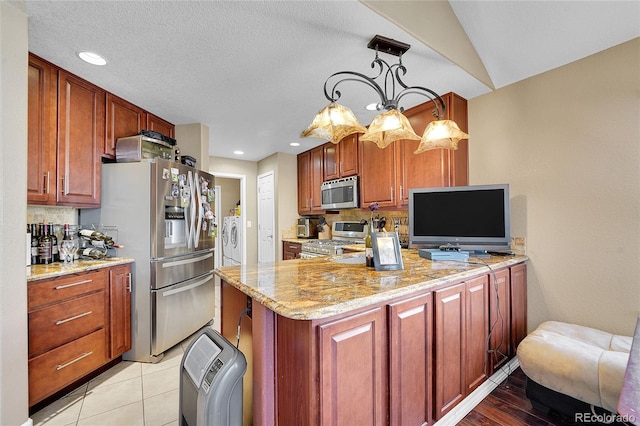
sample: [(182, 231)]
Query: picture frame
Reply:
[(386, 251)]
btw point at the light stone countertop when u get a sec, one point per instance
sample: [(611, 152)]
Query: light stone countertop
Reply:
[(317, 288), (38, 272)]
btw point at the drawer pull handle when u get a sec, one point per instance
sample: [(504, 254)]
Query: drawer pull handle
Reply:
[(84, 355), (73, 318), (60, 287)]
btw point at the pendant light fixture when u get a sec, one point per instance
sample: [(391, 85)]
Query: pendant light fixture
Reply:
[(336, 121)]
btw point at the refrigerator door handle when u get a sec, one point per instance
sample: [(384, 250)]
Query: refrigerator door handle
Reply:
[(204, 280), (196, 183), (192, 210), (186, 261)]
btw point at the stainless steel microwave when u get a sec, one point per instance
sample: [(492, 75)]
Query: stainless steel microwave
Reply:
[(340, 194)]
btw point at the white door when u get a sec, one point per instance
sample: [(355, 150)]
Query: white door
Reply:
[(266, 224)]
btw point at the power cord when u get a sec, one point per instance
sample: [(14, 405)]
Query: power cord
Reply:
[(247, 312)]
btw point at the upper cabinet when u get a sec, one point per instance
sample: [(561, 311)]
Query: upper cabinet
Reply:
[(341, 159), (310, 177), (81, 117), (41, 170), (386, 175), (72, 124), (123, 119), (159, 125)]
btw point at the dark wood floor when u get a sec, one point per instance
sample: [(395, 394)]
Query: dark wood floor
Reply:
[(508, 405)]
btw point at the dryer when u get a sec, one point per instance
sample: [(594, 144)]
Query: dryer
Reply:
[(235, 239)]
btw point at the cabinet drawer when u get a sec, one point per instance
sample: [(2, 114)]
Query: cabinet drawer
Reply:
[(63, 322), (53, 370), (60, 288)]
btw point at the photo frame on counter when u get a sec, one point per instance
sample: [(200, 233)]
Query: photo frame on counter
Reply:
[(386, 251)]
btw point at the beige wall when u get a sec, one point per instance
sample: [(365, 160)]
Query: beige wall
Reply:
[(568, 143), (13, 215), (193, 140), (285, 182), (248, 170)]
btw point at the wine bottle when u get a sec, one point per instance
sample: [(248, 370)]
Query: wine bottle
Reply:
[(55, 254), (93, 253), (44, 245), (368, 251), (34, 244), (109, 243)]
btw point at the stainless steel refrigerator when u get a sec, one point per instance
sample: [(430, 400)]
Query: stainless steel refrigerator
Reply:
[(164, 212)]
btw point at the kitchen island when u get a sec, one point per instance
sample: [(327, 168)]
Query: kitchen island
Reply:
[(333, 342)]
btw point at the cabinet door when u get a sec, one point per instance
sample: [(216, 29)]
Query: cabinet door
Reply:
[(123, 119), (41, 166), (349, 156), (450, 336), (410, 371), (159, 125), (499, 319), (304, 185), (377, 175), (331, 158), (353, 370), (316, 179), (120, 310), (81, 119), (477, 320), (291, 250), (518, 304)]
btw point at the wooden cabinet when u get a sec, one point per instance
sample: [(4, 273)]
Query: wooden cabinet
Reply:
[(291, 250), (41, 168), (410, 360), (119, 310), (518, 288), (310, 177), (500, 350), (123, 119), (81, 117), (341, 159), (159, 125), (461, 332), (66, 132), (77, 323), (353, 374), (388, 174)]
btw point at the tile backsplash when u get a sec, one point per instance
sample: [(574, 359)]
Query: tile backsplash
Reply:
[(55, 214)]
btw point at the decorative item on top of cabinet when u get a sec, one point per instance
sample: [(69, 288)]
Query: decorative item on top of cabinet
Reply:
[(386, 175), (310, 177), (123, 119), (341, 159)]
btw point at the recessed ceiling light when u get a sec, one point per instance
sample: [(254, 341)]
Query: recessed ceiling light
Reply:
[(294, 144), (92, 58), (238, 152)]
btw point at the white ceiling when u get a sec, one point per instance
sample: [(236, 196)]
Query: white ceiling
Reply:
[(253, 72)]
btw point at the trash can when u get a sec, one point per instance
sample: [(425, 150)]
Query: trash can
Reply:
[(211, 374)]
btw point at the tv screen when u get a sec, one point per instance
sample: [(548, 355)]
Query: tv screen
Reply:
[(466, 217)]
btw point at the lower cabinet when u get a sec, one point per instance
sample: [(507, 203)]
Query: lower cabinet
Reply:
[(353, 370), (407, 361), (291, 250), (77, 323)]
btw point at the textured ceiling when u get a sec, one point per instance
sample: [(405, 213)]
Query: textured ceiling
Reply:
[(253, 72)]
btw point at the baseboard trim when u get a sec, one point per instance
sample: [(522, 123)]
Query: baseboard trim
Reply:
[(469, 403)]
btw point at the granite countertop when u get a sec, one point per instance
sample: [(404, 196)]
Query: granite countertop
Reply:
[(316, 288), (38, 272)]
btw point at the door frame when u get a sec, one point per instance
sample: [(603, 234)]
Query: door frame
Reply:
[(243, 197)]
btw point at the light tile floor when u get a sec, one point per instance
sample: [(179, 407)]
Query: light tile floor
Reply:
[(130, 393)]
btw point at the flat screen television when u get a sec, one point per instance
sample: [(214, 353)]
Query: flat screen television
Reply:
[(465, 217)]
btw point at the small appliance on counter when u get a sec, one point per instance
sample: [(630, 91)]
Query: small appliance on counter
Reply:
[(324, 231), (307, 227)]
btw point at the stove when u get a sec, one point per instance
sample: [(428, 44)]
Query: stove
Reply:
[(344, 233)]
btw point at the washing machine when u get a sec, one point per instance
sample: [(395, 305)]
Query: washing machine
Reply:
[(227, 250), (235, 239)]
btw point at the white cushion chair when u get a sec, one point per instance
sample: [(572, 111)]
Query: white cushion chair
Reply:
[(580, 362)]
